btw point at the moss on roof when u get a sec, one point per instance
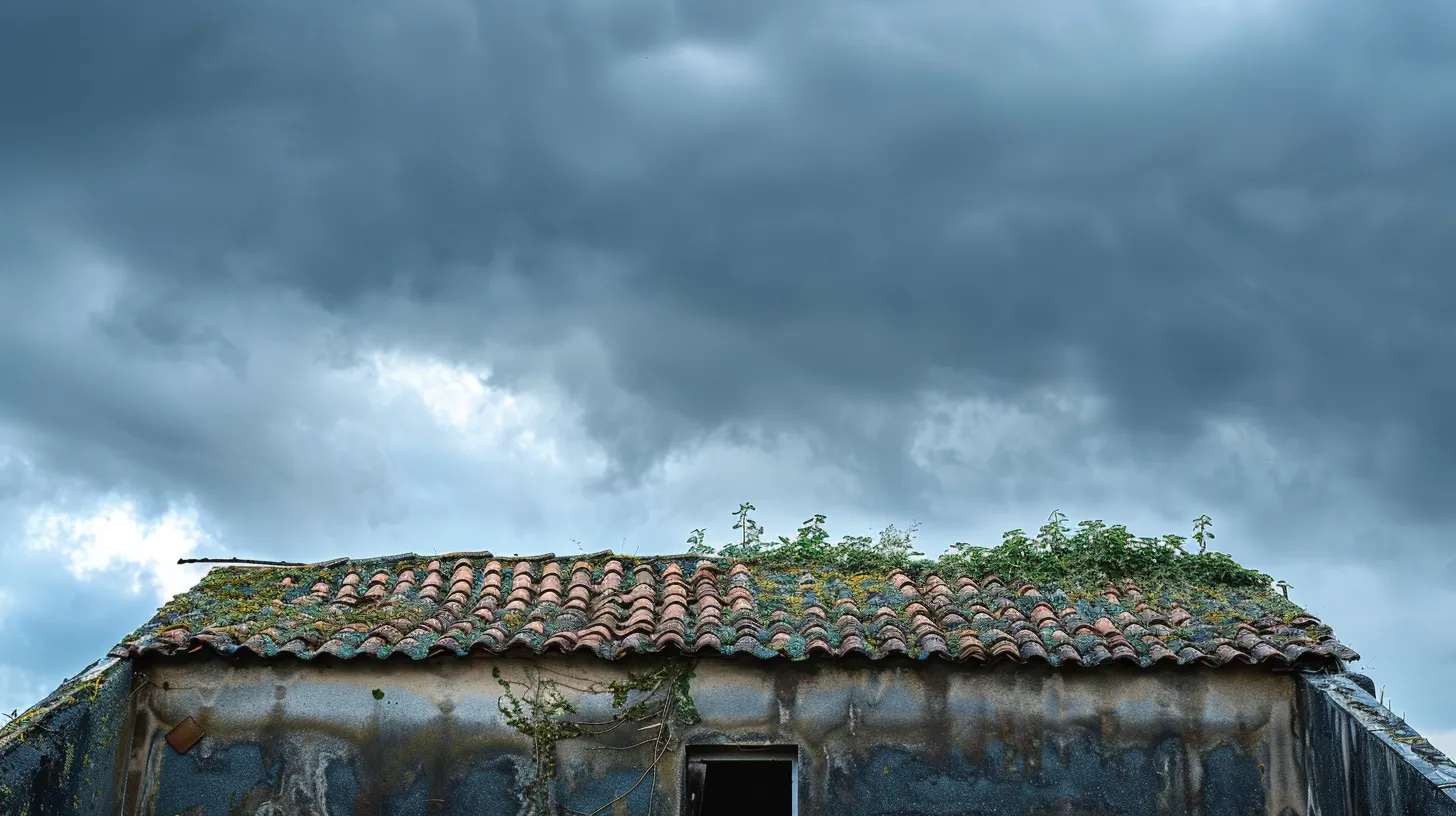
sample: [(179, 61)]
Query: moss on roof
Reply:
[(322, 608)]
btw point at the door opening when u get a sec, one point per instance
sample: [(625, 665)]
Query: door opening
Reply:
[(743, 782)]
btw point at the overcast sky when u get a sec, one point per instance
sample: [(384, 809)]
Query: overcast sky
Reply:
[(284, 281)]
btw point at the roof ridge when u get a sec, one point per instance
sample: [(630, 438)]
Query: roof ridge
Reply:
[(456, 555)]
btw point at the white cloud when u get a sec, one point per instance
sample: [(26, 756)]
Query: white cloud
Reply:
[(461, 399), (691, 87), (713, 67), (695, 67), (116, 537)]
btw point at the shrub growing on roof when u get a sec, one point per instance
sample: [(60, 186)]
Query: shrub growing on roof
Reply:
[(1087, 557)]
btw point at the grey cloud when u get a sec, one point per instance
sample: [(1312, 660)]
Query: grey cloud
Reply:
[(843, 203)]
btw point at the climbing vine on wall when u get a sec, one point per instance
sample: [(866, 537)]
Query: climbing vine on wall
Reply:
[(661, 698), (544, 717)]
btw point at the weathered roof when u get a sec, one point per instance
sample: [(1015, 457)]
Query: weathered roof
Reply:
[(615, 605)]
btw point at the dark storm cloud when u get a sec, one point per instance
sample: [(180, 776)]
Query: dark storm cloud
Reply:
[(775, 215)]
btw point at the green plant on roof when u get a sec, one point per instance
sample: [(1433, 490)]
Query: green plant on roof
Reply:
[(1201, 533), (809, 546), (748, 528), (1081, 559), (891, 551), (1096, 553), (1054, 532), (812, 546)]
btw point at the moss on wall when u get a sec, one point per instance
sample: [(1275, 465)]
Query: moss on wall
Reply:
[(62, 755)]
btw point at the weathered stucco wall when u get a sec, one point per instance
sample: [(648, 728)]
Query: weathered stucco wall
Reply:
[(66, 754), (1361, 758), (874, 738)]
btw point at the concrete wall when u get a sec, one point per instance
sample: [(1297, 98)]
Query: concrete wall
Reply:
[(874, 738), (1361, 758), (65, 754)]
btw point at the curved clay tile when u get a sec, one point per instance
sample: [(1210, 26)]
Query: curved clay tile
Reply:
[(697, 604)]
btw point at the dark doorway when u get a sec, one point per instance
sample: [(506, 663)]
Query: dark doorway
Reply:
[(741, 786)]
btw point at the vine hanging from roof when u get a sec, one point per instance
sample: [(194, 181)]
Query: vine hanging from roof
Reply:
[(661, 698)]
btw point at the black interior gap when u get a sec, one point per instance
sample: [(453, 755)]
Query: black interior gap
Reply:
[(749, 787)]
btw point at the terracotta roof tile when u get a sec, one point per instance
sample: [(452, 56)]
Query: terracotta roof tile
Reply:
[(612, 605)]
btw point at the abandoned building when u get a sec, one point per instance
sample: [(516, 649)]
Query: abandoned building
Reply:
[(469, 684)]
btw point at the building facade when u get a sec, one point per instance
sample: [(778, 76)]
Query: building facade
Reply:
[(471, 685)]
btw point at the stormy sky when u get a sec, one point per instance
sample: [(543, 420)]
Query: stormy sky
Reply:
[(289, 281)]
